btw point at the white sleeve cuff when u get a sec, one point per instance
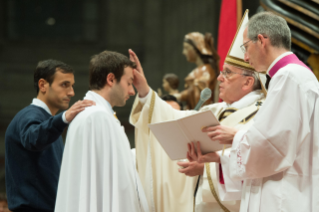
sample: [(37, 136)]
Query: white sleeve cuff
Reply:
[(237, 138), (64, 118), (144, 99)]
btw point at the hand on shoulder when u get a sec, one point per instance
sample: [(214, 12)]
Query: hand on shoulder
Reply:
[(76, 108)]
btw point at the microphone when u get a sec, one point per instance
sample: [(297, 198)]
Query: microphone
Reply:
[(204, 96)]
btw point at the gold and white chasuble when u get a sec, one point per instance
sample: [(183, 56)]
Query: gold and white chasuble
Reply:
[(166, 189)]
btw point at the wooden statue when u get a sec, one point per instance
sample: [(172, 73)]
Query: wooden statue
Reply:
[(170, 84), (199, 49)]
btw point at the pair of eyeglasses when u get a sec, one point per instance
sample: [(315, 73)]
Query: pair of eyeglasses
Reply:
[(244, 48), (227, 73)]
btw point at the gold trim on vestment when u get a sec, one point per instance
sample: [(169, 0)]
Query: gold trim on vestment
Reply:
[(220, 112), (223, 115), (212, 188), (150, 116), (245, 120), (194, 201), (150, 113), (230, 110)]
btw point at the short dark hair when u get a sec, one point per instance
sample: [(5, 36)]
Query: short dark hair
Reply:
[(46, 70), (104, 63), (171, 98), (172, 80)]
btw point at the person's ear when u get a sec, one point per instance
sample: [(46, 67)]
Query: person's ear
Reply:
[(43, 85), (110, 79), (249, 83), (261, 39)]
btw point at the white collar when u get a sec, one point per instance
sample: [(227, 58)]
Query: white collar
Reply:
[(99, 100), (248, 99), (40, 103), (277, 59)]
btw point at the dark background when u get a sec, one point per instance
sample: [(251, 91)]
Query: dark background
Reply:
[(74, 30)]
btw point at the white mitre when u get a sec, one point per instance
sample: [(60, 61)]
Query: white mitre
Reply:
[(235, 56)]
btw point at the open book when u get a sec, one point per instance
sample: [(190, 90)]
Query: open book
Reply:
[(174, 135)]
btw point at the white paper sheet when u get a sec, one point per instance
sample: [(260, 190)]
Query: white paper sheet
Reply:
[(174, 135)]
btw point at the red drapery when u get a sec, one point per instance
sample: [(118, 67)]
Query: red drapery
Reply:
[(229, 13), (227, 28)]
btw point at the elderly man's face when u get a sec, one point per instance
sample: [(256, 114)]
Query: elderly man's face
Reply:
[(231, 87)]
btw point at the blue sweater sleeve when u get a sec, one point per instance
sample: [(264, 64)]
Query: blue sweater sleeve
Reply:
[(37, 134)]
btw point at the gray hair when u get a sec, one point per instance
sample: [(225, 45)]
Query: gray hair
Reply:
[(256, 85), (272, 26)]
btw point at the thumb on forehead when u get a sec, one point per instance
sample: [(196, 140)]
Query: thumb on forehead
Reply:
[(136, 72)]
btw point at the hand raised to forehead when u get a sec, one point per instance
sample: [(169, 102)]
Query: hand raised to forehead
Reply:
[(140, 81), (134, 58)]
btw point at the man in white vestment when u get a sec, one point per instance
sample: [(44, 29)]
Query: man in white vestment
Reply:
[(98, 173), (167, 189), (238, 109), (278, 156)]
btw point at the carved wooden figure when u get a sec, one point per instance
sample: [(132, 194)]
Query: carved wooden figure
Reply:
[(199, 49)]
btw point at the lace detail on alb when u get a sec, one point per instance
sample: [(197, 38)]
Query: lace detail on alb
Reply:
[(240, 167)]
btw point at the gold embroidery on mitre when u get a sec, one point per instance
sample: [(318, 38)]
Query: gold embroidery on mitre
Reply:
[(238, 63)]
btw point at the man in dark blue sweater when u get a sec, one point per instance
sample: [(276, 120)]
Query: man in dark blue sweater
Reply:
[(33, 140)]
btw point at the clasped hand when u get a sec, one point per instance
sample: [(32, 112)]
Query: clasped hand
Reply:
[(223, 134), (191, 167), (196, 160)]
